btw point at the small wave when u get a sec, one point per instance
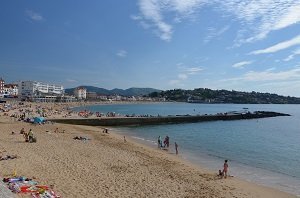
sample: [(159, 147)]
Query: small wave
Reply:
[(138, 138)]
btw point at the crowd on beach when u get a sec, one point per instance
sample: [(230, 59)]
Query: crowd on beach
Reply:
[(20, 112)]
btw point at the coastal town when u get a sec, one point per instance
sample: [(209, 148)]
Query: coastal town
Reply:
[(47, 92)]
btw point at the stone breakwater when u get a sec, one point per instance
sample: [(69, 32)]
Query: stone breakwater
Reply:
[(125, 121)]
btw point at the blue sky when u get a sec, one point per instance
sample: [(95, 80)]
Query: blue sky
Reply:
[(249, 45)]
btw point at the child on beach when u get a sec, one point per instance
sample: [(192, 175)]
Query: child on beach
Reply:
[(225, 169), (220, 174), (22, 131)]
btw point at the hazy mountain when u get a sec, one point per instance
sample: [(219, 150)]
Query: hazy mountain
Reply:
[(127, 92)]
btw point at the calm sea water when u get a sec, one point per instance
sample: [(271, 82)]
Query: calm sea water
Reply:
[(264, 151)]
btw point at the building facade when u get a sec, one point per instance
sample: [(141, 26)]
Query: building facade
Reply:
[(11, 90), (34, 89), (80, 93), (91, 95), (2, 83)]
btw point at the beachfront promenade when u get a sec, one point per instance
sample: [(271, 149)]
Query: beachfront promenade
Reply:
[(123, 121)]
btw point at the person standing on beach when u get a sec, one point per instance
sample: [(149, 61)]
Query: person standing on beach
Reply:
[(167, 141), (176, 148), (158, 141), (225, 169), (30, 136)]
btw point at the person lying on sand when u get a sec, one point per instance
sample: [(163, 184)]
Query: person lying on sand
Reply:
[(7, 157), (81, 138)]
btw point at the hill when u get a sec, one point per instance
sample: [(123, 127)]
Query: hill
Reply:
[(127, 92), (204, 95)]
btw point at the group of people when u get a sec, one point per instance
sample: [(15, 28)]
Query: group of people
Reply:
[(223, 174), (165, 143), (28, 136)]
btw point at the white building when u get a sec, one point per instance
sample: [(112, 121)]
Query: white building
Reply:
[(32, 89), (11, 89), (80, 93), (2, 83)]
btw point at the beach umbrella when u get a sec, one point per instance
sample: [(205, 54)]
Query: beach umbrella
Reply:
[(38, 119)]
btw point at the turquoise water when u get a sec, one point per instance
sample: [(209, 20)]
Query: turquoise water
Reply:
[(265, 151)]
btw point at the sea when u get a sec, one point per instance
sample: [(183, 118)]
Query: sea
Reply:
[(264, 151)]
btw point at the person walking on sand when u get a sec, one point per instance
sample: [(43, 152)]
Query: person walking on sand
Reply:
[(158, 141), (176, 148), (225, 169)]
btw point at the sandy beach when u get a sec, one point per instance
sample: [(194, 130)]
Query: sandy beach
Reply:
[(105, 165)]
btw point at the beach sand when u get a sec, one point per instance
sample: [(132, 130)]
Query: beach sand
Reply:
[(106, 166)]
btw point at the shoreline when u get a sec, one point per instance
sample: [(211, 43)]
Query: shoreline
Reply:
[(213, 164), (179, 158), (105, 166)]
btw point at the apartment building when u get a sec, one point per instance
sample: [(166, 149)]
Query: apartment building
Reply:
[(11, 90), (2, 83), (32, 89), (80, 93)]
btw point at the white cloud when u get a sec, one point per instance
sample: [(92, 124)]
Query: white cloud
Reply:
[(269, 75), (263, 16), (214, 33), (193, 70), (185, 74), (292, 56), (241, 64), (258, 17), (291, 17), (135, 17), (153, 11), (34, 16), (122, 53), (280, 46)]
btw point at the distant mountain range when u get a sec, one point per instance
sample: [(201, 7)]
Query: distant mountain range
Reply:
[(127, 92)]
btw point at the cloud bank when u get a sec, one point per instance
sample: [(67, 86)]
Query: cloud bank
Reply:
[(258, 16), (280, 46)]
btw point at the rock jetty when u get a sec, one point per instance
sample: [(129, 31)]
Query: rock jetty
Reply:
[(125, 121)]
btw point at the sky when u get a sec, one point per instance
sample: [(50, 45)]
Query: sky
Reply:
[(249, 45)]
